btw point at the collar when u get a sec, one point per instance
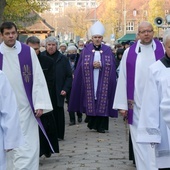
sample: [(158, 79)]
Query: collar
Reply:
[(139, 45), (16, 47), (166, 61), (167, 58), (97, 48)]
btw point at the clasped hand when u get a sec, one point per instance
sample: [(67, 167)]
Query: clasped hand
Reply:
[(97, 64)]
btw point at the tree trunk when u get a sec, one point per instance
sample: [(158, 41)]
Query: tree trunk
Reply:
[(2, 7)]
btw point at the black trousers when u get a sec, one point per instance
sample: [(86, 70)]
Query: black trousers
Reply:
[(98, 122), (72, 116), (131, 152), (60, 121), (49, 125)]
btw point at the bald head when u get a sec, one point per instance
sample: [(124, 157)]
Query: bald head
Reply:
[(145, 32), (144, 24)]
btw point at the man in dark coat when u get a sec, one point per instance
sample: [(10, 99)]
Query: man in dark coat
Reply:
[(63, 82), (47, 119)]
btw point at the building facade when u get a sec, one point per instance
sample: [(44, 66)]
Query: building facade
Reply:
[(59, 6)]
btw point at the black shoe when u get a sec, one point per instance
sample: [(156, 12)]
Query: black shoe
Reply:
[(47, 155), (72, 123), (101, 130), (79, 119), (86, 119)]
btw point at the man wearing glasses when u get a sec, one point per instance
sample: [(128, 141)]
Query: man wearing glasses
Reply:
[(129, 92)]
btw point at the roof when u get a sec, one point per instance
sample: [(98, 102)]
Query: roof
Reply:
[(40, 25), (127, 37), (37, 25)]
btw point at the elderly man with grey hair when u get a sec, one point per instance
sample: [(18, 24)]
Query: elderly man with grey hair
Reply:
[(63, 82), (48, 120), (73, 57)]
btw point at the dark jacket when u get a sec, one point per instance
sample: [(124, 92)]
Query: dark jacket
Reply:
[(75, 61), (47, 65), (63, 75), (48, 120)]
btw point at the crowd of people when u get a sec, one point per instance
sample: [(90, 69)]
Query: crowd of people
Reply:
[(39, 77)]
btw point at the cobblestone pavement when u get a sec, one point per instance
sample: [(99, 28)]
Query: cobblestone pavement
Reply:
[(84, 149)]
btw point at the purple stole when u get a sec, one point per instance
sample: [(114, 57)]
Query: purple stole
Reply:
[(88, 78), (27, 77), (130, 68)]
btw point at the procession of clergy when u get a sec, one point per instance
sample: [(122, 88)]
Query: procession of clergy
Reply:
[(31, 99)]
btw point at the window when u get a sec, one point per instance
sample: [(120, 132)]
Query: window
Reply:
[(145, 13), (130, 26), (93, 3)]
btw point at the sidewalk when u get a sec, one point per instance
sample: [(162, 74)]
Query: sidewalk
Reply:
[(84, 149)]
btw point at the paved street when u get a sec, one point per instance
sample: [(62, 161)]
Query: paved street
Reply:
[(85, 149)]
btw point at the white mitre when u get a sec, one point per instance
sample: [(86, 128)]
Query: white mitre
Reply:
[(97, 29)]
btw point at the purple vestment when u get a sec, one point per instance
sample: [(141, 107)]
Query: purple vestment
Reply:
[(130, 66), (82, 94)]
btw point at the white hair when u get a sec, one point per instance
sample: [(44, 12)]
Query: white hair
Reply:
[(51, 39), (166, 36), (42, 42), (72, 47), (63, 44)]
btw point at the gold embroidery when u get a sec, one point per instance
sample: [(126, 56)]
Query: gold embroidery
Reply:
[(86, 63), (103, 102), (27, 73), (130, 104)]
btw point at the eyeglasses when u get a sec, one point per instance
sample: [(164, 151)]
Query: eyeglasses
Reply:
[(146, 31), (97, 37)]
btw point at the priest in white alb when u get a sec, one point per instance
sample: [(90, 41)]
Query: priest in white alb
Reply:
[(154, 123), (129, 91), (10, 130), (21, 65)]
